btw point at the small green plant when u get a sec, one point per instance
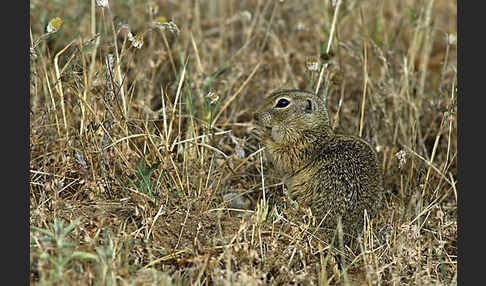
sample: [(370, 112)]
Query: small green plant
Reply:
[(143, 182), (58, 249), (106, 256)]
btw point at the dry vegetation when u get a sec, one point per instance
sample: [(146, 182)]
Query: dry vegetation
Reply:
[(130, 159)]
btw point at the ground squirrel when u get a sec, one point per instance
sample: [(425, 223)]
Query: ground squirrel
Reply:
[(335, 175)]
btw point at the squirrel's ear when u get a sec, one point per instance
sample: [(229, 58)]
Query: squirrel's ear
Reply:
[(308, 106)]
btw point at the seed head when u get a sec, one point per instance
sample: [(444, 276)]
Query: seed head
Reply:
[(54, 25)]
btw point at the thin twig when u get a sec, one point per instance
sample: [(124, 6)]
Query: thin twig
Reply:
[(365, 73), (59, 85), (329, 43)]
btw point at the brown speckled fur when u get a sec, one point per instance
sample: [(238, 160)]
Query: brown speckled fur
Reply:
[(333, 174)]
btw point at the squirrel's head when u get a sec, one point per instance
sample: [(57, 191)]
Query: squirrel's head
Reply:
[(287, 115)]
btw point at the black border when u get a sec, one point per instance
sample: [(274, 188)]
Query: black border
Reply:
[(24, 146), (15, 118), (467, 273), (460, 145)]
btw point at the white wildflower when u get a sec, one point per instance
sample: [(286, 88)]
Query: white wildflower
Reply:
[(54, 25), (137, 40), (213, 97), (102, 3), (312, 63)]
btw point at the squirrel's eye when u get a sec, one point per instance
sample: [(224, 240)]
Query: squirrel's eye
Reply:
[(283, 102), (308, 106)]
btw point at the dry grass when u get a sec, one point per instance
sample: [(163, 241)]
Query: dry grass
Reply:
[(130, 159)]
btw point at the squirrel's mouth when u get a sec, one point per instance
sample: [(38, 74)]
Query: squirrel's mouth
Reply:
[(262, 127), (264, 131)]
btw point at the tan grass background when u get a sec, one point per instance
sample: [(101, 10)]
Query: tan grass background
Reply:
[(130, 161)]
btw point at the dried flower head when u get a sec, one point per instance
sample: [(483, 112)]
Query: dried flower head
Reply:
[(402, 157), (102, 3), (152, 8), (54, 25), (213, 97), (312, 63), (137, 40), (163, 24)]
